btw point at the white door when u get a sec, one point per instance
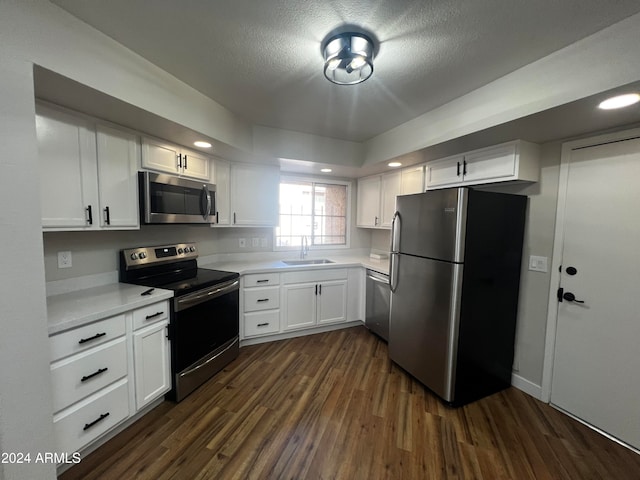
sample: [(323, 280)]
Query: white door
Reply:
[(391, 184), (332, 302), (221, 180), (368, 204), (195, 165), (152, 363), (118, 159), (299, 305), (445, 172), (158, 155), (597, 357), (255, 193)]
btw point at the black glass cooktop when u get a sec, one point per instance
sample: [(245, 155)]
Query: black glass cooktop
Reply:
[(202, 278)]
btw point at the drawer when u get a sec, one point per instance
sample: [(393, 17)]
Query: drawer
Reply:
[(260, 323), (84, 422), (262, 280), (79, 376), (261, 298), (148, 315), (88, 336)]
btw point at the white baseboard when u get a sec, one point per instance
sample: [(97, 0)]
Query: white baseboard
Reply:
[(299, 333), (526, 386)]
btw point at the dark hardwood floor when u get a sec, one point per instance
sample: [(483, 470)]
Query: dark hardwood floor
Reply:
[(332, 406)]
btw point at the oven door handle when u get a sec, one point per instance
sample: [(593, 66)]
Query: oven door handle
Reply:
[(182, 303), (208, 360)]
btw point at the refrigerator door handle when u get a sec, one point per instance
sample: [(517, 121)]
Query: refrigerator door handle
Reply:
[(393, 272), (395, 233)]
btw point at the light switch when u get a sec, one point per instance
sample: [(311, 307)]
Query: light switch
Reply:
[(242, 242), (538, 264)]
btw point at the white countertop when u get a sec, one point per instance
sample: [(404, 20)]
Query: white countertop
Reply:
[(74, 309), (265, 266)]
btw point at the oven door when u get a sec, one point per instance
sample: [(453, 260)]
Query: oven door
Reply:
[(204, 334), (169, 199)]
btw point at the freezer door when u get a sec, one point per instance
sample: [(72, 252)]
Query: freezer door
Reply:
[(424, 319), (432, 224)]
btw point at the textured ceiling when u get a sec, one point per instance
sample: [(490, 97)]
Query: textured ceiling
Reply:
[(262, 59)]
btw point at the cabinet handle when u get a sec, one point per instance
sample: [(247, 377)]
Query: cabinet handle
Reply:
[(262, 281), (157, 314), (375, 221), (457, 169), (97, 372), (107, 216), (185, 162), (85, 340), (262, 300), (90, 215), (316, 289), (319, 289), (263, 324), (464, 167), (87, 426), (234, 218), (179, 160), (217, 218)]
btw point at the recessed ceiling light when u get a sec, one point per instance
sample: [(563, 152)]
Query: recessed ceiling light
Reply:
[(326, 170), (394, 164), (620, 101), (202, 144)]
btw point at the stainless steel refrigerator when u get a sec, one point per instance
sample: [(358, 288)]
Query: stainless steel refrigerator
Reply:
[(455, 275)]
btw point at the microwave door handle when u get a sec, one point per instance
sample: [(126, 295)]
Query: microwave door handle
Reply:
[(205, 202)]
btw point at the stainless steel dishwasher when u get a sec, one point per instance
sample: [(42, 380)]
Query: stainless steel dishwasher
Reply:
[(377, 305)]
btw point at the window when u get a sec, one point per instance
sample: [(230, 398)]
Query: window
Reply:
[(316, 210)]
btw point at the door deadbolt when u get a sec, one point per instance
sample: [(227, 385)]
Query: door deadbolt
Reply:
[(571, 270), (570, 297)]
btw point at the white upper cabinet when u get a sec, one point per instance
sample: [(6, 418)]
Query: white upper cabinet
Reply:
[(376, 201), (412, 180), (88, 176), (512, 161), (255, 192), (118, 154), (166, 157), (221, 178)]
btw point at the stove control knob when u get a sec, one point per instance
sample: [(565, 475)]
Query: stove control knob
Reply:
[(134, 256), (192, 249), (142, 255), (180, 250)]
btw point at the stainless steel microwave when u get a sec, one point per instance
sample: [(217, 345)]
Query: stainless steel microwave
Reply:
[(169, 199)]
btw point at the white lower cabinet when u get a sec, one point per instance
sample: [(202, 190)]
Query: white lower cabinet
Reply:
[(151, 362), (312, 298), (94, 386)]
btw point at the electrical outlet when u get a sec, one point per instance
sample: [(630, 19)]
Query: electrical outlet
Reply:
[(255, 242), (263, 242), (64, 260), (538, 264), (242, 242)]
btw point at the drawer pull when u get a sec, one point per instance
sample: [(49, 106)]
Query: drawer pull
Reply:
[(97, 335), (262, 300), (263, 324), (98, 372), (157, 314), (262, 281), (87, 426)]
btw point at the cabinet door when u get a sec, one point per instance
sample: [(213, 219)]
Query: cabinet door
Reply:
[(445, 172), (118, 159), (299, 306), (195, 165), (368, 202), (67, 167), (390, 189), (332, 302), (255, 191), (491, 164), (161, 156), (151, 363), (412, 180), (221, 179)]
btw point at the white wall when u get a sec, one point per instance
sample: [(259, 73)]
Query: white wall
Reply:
[(25, 386)]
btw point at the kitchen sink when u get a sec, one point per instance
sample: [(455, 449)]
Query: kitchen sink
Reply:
[(310, 261)]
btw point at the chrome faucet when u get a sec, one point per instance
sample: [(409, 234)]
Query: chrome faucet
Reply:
[(304, 247)]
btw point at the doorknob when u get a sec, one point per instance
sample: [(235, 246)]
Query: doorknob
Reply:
[(571, 270), (570, 297)]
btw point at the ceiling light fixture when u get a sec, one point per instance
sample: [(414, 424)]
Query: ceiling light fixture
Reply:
[(348, 58), (394, 164), (326, 170), (202, 144), (620, 101)]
